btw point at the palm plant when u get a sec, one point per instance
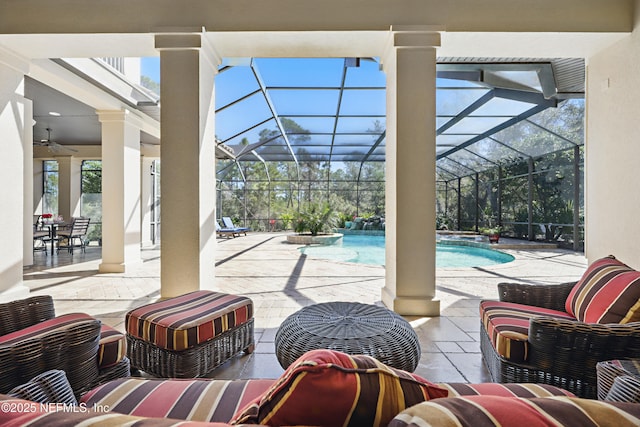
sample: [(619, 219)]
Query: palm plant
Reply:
[(315, 218)]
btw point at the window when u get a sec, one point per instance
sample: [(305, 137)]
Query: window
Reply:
[(155, 202), (50, 186), (91, 198)]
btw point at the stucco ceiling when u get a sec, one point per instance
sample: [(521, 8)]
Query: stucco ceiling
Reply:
[(78, 123)]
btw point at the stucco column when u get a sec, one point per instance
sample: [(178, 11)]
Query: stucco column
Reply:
[(120, 190), (410, 65), (15, 121), (28, 188), (187, 69), (69, 186)]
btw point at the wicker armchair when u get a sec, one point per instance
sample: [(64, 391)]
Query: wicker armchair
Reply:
[(69, 343), (560, 352)]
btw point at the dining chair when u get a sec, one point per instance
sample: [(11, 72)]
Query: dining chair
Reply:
[(40, 235), (75, 235)]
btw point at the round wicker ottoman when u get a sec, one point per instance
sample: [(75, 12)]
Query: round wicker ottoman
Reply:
[(352, 328)]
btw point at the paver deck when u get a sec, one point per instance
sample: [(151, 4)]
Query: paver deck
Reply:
[(280, 280)]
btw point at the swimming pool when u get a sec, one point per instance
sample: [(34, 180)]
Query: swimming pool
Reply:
[(370, 250)]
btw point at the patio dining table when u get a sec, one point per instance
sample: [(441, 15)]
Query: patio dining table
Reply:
[(53, 230)]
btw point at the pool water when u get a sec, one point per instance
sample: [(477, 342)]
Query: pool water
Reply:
[(370, 250)]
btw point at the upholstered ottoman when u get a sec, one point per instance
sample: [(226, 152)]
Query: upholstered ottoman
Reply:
[(190, 335)]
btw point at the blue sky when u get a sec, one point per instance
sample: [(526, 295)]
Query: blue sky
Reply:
[(151, 68), (300, 86), (307, 91)]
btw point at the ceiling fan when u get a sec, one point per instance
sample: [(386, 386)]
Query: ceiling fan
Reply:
[(53, 146)]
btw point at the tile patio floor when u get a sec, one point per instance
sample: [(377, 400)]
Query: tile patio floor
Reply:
[(280, 281)]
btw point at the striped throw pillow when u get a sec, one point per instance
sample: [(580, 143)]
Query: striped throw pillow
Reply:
[(330, 388), (112, 347), (506, 390), (499, 411), (608, 292)]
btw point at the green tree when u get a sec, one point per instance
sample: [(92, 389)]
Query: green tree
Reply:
[(277, 190), (150, 84)]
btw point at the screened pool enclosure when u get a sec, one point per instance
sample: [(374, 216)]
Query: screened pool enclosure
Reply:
[(509, 142)]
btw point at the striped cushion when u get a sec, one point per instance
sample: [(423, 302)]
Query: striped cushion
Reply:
[(481, 411), (220, 400), (22, 413), (507, 324), (507, 390), (112, 347), (39, 330), (330, 388), (184, 322), (191, 400), (608, 292)]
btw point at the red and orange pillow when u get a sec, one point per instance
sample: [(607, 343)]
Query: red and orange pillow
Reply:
[(326, 387), (608, 292)]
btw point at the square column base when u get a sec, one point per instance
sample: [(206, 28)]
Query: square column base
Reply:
[(411, 306), (111, 268)]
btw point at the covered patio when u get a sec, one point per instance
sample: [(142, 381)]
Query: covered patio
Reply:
[(422, 49), (245, 266), (409, 40)]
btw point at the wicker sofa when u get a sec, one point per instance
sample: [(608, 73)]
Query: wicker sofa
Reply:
[(316, 390), (556, 334), (34, 340)]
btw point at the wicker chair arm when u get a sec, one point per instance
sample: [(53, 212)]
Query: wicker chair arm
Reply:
[(573, 346), (73, 350), (20, 314), (49, 387), (568, 326), (537, 295)]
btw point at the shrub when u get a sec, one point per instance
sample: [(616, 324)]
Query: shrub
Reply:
[(315, 218)]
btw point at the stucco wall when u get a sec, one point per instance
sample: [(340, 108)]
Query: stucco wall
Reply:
[(612, 168)]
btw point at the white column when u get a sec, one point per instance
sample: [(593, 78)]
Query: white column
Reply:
[(38, 184), (410, 65), (28, 189), (120, 190), (14, 122), (187, 69), (69, 186)]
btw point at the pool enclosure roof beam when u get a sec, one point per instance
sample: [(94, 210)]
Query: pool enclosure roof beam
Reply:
[(339, 104), (557, 135), (333, 107), (267, 98), (266, 168), (375, 145), (536, 109)]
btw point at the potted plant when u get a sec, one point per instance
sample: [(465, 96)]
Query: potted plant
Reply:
[(344, 220), (315, 219), (493, 233)]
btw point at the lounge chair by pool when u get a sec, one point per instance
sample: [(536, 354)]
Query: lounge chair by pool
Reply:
[(228, 223), (226, 232)]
